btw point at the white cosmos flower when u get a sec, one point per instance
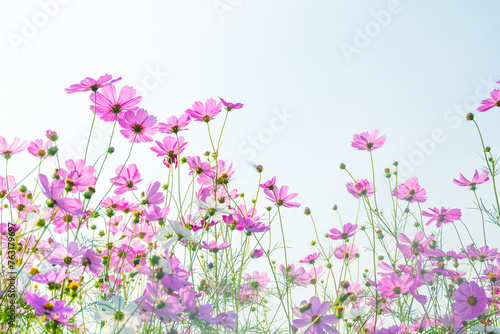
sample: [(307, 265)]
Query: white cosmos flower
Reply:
[(118, 316), (34, 222), (110, 240), (210, 209), (170, 234), (351, 313)]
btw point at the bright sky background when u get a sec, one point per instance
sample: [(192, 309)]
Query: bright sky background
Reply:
[(329, 64)]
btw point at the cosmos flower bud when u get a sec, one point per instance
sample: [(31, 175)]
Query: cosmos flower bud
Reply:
[(111, 150), (51, 151), (395, 164), (469, 116), (51, 135), (335, 207), (89, 192), (342, 165), (307, 211), (379, 233), (339, 311), (487, 149), (259, 168), (22, 189), (305, 307), (183, 160)]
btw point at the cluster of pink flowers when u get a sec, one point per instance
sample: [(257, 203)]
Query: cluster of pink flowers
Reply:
[(145, 257)]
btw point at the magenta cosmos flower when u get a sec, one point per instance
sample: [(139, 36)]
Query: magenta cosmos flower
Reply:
[(280, 197), (476, 179), (138, 125), (348, 230), (410, 191), (51, 309), (346, 252), (360, 188), (490, 103), (312, 315), (311, 258), (38, 149), (54, 192), (174, 124), (90, 84), (110, 107), (442, 216), (204, 112), (416, 246), (368, 141), (169, 146), (470, 300), (394, 286), (230, 106), (8, 150), (126, 179)]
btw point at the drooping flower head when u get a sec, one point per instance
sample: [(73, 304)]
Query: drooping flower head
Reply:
[(88, 84), (54, 192), (280, 197), (8, 150), (490, 103), (366, 141), (138, 125), (174, 124), (204, 112), (442, 216), (476, 179), (230, 106), (360, 188)]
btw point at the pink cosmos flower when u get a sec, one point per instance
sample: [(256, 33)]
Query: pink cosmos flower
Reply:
[(394, 286), (203, 312), (163, 306), (368, 142), (348, 231), (8, 150), (442, 216), (171, 147), (64, 221), (291, 274), (51, 278), (452, 322), (51, 309), (311, 276), (360, 188), (38, 149), (152, 195), (6, 184), (174, 124), (410, 191), (257, 281), (65, 257), (476, 179), (126, 179), (90, 84), (230, 106), (91, 260), (257, 253), (490, 103), (269, 184), (484, 253), (198, 167), (204, 113), (312, 315), (416, 246), (155, 213), (280, 197), (80, 175), (311, 258), (110, 107), (470, 300), (251, 226), (54, 192), (138, 125), (227, 320), (346, 252), (213, 246)]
